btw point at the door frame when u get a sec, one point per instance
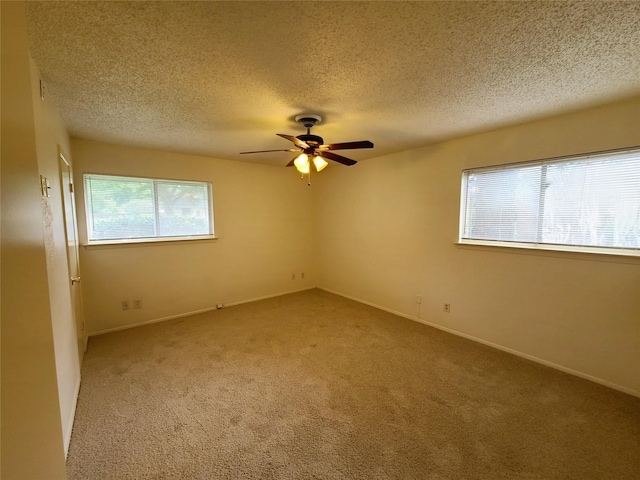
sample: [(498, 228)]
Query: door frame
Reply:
[(76, 289)]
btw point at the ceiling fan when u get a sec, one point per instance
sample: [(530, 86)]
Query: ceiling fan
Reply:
[(312, 149)]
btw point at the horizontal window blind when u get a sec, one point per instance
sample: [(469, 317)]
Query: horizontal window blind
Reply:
[(120, 208), (584, 201)]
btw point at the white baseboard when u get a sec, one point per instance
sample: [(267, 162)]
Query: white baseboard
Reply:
[(374, 305), (555, 366), (268, 296), (69, 426), (195, 312)]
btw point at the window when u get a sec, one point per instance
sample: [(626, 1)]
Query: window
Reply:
[(126, 208), (583, 203)]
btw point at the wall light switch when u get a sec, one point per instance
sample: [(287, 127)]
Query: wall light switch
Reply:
[(44, 186)]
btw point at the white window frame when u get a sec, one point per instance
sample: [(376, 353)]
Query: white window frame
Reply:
[(154, 239), (634, 252)]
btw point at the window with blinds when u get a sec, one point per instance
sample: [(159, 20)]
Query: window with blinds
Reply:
[(586, 202), (128, 208)]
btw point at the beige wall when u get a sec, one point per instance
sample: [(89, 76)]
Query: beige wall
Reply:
[(32, 442), (50, 137), (387, 230), (263, 218)]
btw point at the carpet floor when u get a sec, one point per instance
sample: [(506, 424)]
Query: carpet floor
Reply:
[(315, 386)]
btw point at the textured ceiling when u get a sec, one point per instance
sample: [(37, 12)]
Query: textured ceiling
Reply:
[(217, 78)]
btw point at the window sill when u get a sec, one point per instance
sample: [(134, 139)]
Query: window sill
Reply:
[(586, 253), (133, 242)]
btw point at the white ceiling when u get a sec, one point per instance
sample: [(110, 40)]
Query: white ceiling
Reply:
[(217, 78)]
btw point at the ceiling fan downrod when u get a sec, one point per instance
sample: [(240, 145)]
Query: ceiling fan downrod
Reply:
[(308, 120)]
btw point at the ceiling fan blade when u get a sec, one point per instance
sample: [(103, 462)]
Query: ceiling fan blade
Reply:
[(291, 138), (347, 145), (265, 151), (338, 158), (290, 164)]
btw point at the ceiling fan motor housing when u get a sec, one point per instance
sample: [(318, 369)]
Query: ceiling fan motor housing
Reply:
[(309, 120), (311, 140)]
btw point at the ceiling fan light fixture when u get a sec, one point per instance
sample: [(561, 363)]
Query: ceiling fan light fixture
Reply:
[(320, 163), (312, 149), (302, 163), (305, 169)]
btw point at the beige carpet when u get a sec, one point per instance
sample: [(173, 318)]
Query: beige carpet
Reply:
[(315, 386)]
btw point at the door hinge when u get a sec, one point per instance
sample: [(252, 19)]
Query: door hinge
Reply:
[(71, 187)]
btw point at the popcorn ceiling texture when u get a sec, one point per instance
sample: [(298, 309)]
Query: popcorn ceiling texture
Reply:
[(217, 78)]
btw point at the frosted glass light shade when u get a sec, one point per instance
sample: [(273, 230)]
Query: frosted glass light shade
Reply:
[(320, 163), (305, 168), (302, 163)]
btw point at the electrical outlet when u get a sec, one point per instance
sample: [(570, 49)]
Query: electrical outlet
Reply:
[(293, 276), (302, 275), (125, 304), (419, 299), (137, 304), (447, 307)]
